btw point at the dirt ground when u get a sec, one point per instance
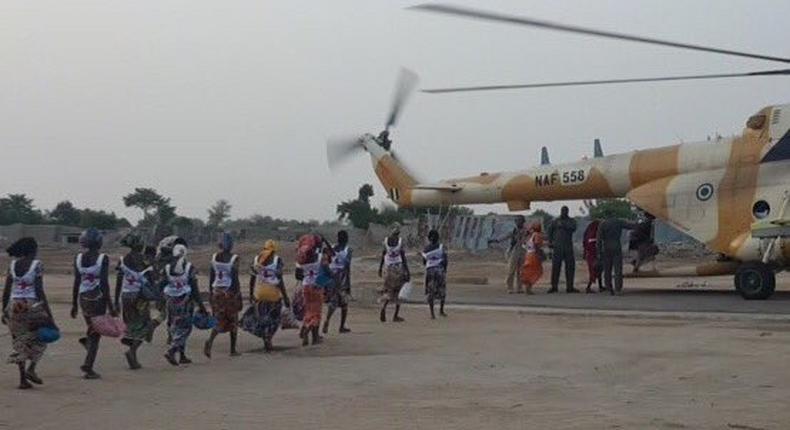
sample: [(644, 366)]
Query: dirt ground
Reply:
[(505, 368)]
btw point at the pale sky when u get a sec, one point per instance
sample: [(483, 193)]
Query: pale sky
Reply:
[(206, 99)]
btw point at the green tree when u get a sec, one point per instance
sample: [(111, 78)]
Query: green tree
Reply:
[(219, 213), (358, 211), (18, 208), (101, 220), (65, 213), (145, 199), (610, 208)]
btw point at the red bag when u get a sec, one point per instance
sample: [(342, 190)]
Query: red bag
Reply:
[(305, 248), (108, 326)]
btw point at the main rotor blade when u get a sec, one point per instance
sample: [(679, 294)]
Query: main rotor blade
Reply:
[(407, 82), (340, 150), (517, 20), (605, 82)]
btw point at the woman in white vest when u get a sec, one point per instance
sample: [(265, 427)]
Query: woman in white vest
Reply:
[(181, 295), (92, 293), (25, 309), (393, 259), (224, 294), (434, 257), (337, 296), (133, 274), (267, 295)]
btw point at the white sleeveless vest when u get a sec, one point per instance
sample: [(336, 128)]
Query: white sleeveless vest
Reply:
[(24, 287), (340, 260), (178, 285), (132, 280), (434, 258), (90, 277), (393, 257), (267, 274), (223, 272), (310, 271)]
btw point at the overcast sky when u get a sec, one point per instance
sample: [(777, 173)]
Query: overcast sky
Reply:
[(206, 99)]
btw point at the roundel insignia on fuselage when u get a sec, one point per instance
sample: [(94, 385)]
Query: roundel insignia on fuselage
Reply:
[(704, 192)]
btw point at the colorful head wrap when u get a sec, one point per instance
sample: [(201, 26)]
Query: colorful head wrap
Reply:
[(270, 247), (91, 238), (180, 254)]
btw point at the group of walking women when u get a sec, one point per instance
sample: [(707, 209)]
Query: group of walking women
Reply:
[(157, 286)]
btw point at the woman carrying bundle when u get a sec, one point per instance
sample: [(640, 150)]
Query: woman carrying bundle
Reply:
[(225, 294), (393, 258), (338, 294), (435, 259), (533, 257), (25, 309), (181, 295), (134, 288), (267, 295), (311, 259), (92, 293)]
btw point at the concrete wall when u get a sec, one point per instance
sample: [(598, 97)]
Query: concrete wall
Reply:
[(44, 234)]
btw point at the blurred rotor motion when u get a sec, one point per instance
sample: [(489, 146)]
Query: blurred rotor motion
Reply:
[(340, 150), (547, 25)]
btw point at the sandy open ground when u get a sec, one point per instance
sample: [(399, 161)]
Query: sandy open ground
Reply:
[(500, 369)]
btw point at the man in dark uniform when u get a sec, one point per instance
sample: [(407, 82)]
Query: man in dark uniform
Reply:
[(610, 251), (561, 242)]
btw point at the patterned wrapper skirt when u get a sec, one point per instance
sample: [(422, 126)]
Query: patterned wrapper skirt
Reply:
[(93, 304), (179, 311), (393, 282), (313, 302), (25, 317), (226, 305), (435, 284), (297, 302), (137, 317), (337, 295), (262, 319)]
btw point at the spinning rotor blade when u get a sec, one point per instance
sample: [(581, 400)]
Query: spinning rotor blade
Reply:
[(407, 81), (605, 82), (341, 150), (529, 22)]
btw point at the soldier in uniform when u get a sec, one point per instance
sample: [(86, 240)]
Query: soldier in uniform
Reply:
[(610, 251), (561, 242)]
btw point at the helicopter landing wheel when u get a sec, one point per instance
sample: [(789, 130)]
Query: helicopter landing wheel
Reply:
[(755, 281)]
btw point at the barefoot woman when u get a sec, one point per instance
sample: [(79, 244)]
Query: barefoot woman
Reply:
[(25, 309), (92, 292), (225, 294)]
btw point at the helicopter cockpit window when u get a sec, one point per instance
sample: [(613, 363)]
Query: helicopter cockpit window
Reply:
[(756, 122)]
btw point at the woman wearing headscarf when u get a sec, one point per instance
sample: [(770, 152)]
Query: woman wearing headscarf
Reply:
[(591, 256), (134, 274), (181, 295), (393, 258), (92, 293), (532, 270), (338, 294), (267, 295), (311, 271), (434, 257), (225, 294), (25, 309)]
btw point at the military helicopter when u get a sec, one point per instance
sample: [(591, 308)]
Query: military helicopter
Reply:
[(732, 195)]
